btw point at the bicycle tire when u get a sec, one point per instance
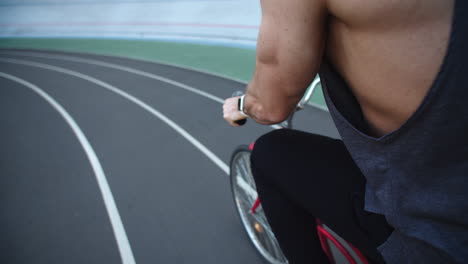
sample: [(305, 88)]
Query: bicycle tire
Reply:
[(244, 194)]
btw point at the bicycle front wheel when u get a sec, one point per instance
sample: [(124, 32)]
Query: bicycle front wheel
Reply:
[(244, 193)]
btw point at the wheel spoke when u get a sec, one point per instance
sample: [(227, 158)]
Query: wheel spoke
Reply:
[(244, 185), (245, 166), (246, 159), (245, 194)]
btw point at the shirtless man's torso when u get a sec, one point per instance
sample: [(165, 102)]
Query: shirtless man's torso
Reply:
[(388, 51)]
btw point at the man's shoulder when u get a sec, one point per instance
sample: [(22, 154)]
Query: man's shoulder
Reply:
[(371, 12)]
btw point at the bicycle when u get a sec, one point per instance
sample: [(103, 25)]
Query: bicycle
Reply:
[(253, 219)]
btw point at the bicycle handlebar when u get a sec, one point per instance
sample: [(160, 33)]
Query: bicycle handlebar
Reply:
[(300, 105), (308, 93)]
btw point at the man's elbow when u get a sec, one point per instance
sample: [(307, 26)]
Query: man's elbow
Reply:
[(271, 116)]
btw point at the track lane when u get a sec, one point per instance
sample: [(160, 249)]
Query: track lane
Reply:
[(182, 132), (125, 249), (149, 191), (199, 116), (42, 219), (310, 119)]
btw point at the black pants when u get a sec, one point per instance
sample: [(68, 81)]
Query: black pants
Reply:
[(301, 176)]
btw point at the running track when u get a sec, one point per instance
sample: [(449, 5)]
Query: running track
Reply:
[(113, 160)]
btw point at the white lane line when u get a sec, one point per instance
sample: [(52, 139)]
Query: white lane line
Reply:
[(126, 69), (125, 249), (215, 159), (183, 67), (122, 68)]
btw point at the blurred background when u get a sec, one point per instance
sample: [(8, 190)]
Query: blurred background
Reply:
[(205, 34)]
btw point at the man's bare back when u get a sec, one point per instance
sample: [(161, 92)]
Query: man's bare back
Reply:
[(389, 52)]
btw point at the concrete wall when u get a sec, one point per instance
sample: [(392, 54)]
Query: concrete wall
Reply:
[(230, 21)]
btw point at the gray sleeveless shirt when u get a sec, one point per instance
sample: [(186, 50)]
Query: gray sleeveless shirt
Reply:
[(417, 176)]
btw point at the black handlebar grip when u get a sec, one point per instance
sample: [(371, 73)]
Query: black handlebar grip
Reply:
[(241, 122)]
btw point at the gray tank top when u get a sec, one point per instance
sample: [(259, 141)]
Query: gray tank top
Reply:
[(417, 176)]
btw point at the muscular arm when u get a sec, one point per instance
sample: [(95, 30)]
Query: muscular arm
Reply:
[(289, 53)]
